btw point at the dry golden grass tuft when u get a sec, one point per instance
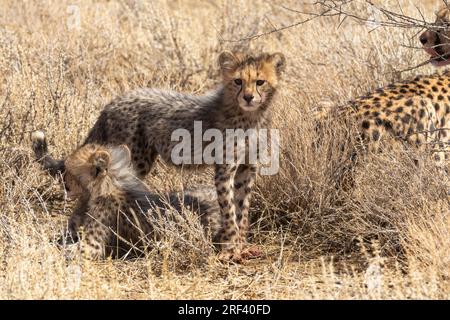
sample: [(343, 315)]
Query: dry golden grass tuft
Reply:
[(388, 237)]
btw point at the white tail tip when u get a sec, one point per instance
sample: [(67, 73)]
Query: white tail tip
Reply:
[(37, 136)]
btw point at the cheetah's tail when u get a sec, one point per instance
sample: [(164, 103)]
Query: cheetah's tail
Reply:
[(40, 148)]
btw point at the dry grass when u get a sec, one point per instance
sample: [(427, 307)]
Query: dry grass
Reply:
[(386, 238)]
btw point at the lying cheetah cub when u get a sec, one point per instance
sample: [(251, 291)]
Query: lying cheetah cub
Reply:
[(114, 206), (145, 119)]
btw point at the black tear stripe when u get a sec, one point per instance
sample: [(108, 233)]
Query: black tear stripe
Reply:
[(259, 93), (239, 92)]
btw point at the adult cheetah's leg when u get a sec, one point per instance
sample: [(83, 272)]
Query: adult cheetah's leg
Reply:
[(440, 150), (427, 138), (438, 139), (243, 183), (230, 230)]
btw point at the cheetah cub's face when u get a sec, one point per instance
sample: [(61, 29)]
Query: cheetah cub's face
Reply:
[(93, 169), (73, 188), (250, 80), (436, 41)]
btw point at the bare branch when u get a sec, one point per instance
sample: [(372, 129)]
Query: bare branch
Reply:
[(255, 36), (344, 10)]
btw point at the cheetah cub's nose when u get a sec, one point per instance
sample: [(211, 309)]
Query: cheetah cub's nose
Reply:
[(248, 98)]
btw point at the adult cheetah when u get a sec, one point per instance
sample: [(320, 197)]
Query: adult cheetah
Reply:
[(114, 207), (416, 111), (145, 120)]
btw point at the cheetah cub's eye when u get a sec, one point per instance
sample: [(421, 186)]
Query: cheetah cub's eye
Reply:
[(238, 82), (260, 82)]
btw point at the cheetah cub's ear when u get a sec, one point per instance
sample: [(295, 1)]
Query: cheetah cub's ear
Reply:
[(121, 157), (228, 61), (100, 163), (278, 62)]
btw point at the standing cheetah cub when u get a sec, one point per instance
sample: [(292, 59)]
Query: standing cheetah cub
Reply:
[(145, 120), (115, 208)]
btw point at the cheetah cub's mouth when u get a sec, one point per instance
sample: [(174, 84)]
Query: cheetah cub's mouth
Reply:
[(250, 107)]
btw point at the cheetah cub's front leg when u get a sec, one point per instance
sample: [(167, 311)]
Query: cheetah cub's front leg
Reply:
[(229, 238), (243, 183), (234, 190)]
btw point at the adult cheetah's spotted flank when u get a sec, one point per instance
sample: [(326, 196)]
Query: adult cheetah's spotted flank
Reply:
[(416, 111)]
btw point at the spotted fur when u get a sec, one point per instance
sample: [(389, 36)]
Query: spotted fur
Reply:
[(114, 206), (415, 111), (145, 119)]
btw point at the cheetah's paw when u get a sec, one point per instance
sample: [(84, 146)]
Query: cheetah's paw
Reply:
[(251, 252)]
